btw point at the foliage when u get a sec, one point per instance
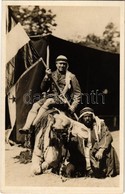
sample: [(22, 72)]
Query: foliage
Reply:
[(36, 20), (110, 40)]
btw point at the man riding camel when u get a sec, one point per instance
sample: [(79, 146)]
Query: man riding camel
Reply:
[(67, 83)]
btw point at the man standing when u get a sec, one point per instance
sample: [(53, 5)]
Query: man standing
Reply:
[(101, 158), (66, 82)]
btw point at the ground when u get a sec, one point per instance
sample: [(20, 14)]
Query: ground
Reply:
[(17, 174)]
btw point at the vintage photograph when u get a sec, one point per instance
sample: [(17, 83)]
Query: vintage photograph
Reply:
[(63, 82)]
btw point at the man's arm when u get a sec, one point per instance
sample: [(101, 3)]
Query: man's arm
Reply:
[(46, 82), (105, 141), (106, 137)]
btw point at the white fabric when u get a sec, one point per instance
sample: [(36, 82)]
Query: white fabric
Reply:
[(97, 126), (15, 40), (67, 80), (86, 112)]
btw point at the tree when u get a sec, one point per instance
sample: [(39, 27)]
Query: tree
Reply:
[(35, 20), (111, 37), (110, 40)]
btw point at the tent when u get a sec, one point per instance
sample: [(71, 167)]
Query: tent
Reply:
[(97, 72)]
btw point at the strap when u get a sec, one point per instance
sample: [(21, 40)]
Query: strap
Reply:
[(68, 85)]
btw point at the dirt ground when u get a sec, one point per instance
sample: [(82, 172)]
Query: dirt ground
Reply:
[(17, 174)]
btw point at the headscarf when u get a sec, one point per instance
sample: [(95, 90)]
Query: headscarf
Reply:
[(98, 121)]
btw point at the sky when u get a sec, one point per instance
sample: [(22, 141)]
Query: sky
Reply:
[(81, 21)]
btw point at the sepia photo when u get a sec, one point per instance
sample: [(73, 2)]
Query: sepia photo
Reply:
[(62, 97)]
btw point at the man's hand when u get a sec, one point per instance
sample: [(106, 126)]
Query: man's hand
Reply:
[(99, 154), (48, 72), (72, 109)]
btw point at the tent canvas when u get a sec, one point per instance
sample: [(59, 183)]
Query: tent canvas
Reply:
[(97, 71)]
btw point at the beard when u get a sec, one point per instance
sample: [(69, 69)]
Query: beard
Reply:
[(88, 123)]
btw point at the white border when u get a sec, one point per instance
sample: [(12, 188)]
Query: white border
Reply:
[(68, 190)]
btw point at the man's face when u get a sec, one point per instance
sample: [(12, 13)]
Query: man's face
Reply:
[(61, 66), (87, 119)]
